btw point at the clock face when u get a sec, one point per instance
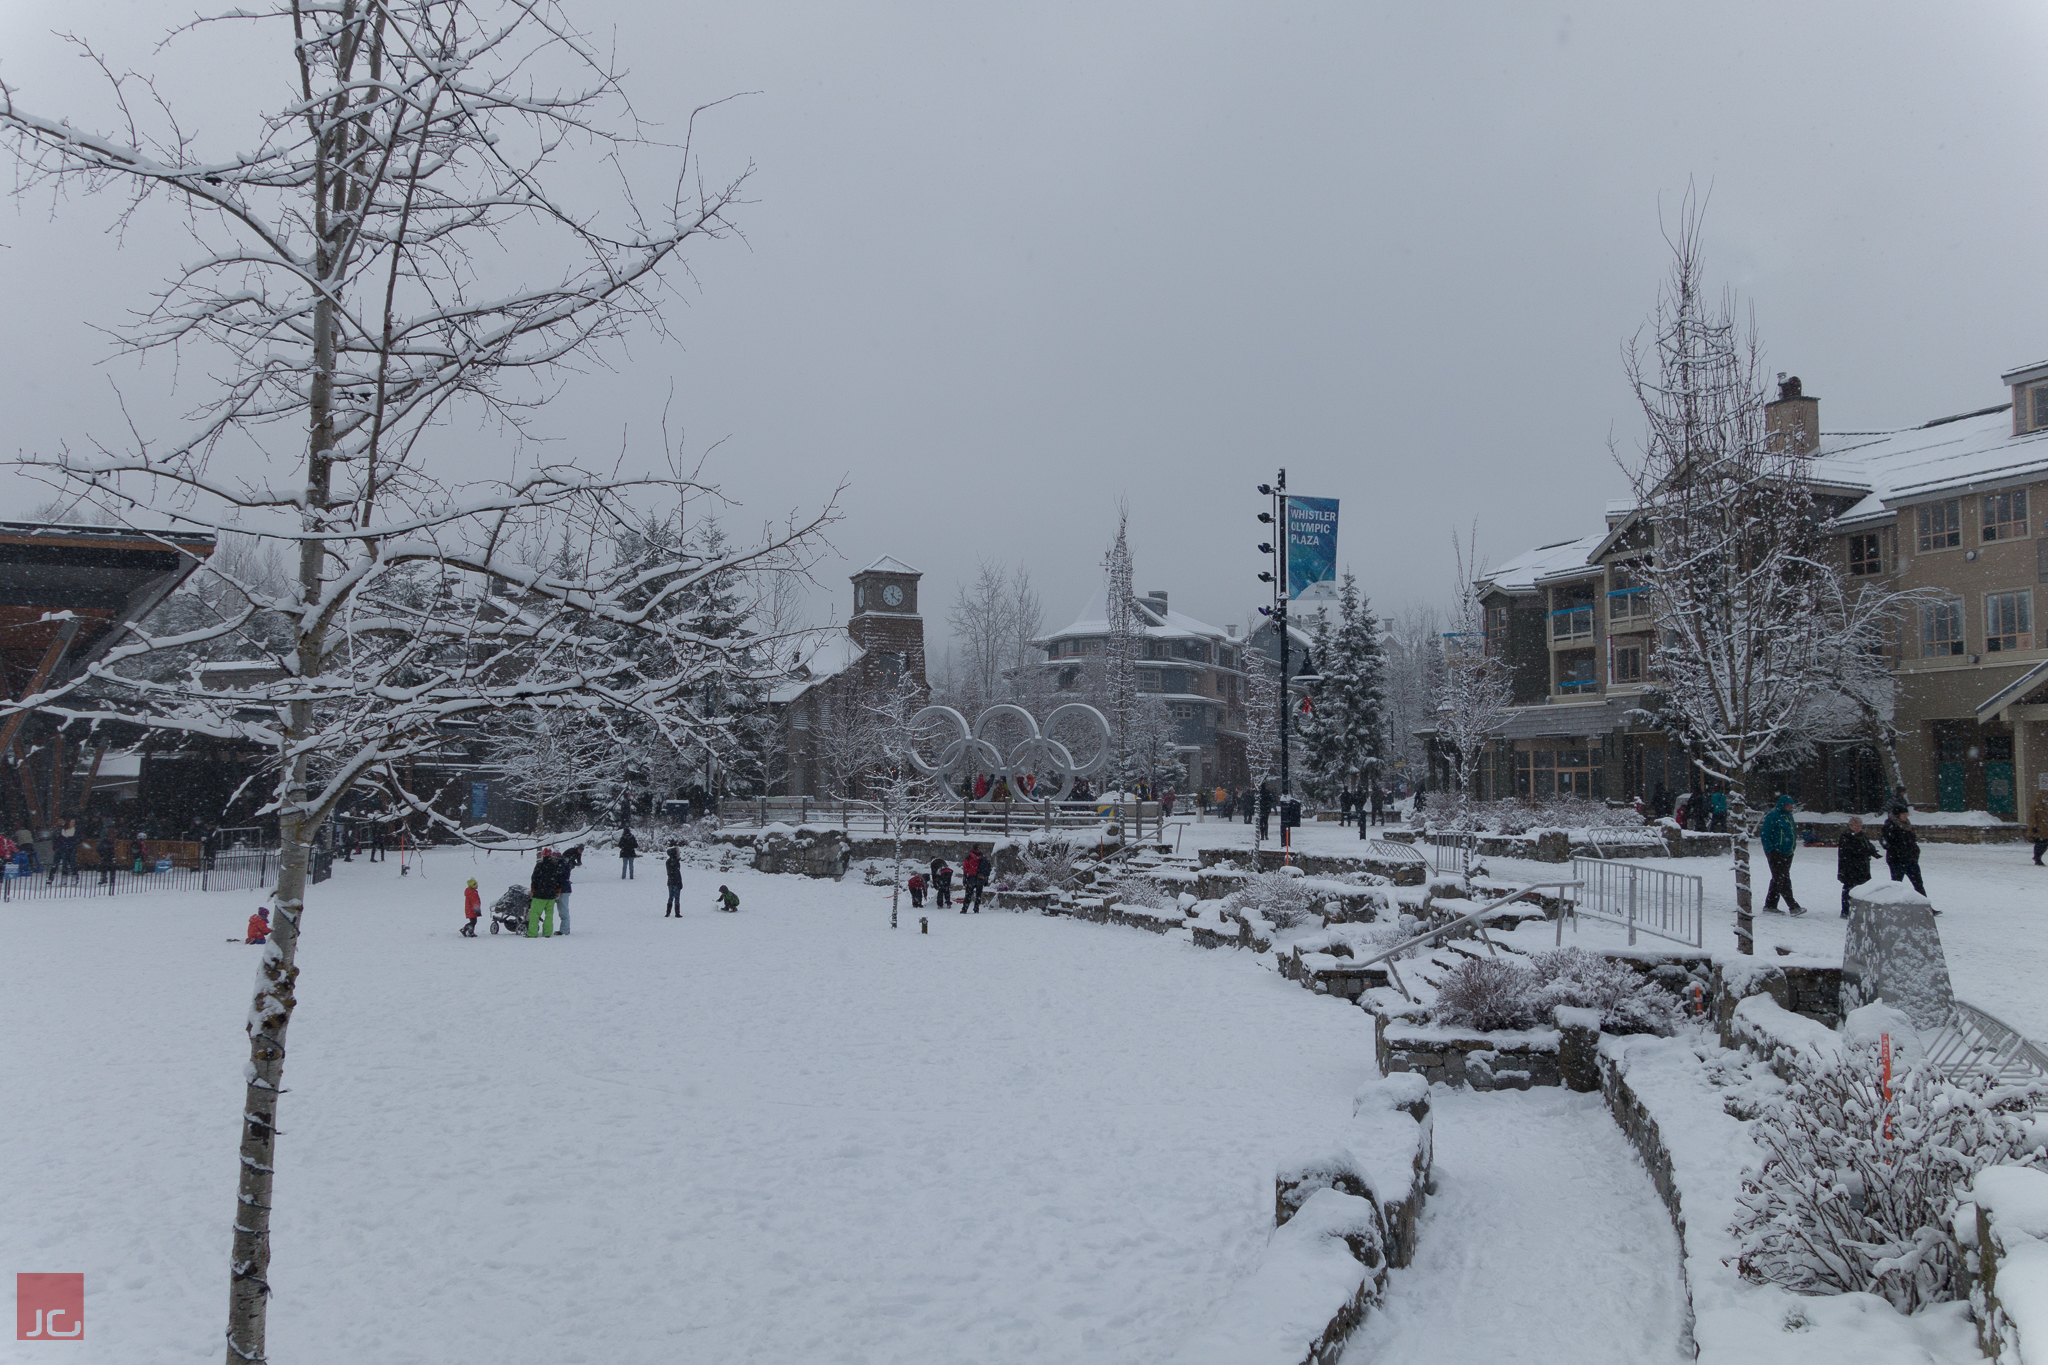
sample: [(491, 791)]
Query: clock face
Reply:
[(892, 595)]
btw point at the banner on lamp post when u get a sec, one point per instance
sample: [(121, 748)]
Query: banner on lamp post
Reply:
[(1311, 549)]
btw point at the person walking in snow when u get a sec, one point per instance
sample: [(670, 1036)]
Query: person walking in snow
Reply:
[(1902, 848), (1717, 808), (1379, 805), (2037, 829), (544, 886), (629, 850), (1852, 860), (103, 850), (1781, 840), (472, 908), (675, 882)]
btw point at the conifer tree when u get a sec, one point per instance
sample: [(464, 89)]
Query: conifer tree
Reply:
[(1344, 733)]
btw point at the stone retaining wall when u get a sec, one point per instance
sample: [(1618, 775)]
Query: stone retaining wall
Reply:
[(1633, 1117)]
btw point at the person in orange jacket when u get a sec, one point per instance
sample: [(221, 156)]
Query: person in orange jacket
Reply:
[(259, 926), (472, 907)]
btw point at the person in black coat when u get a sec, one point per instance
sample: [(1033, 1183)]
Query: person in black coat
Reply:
[(544, 887), (675, 883), (1379, 804), (1902, 848), (942, 881), (1265, 810), (1852, 860), (629, 849)]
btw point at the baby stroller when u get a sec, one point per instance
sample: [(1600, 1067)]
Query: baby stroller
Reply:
[(509, 910)]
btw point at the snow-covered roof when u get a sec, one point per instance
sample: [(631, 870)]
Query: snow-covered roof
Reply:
[(1526, 571), (891, 564), (1947, 456), (832, 655), (1152, 619)]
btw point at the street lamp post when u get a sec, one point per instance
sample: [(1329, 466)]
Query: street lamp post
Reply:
[(1276, 549)]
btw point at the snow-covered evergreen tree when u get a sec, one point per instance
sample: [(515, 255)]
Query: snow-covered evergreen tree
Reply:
[(1344, 734)]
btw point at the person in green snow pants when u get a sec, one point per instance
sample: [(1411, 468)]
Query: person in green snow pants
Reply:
[(545, 886)]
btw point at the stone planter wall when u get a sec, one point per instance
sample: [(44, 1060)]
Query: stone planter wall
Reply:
[(1468, 1058)]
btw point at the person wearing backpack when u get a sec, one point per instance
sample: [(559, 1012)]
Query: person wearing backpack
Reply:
[(1781, 840)]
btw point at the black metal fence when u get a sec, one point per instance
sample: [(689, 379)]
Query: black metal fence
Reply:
[(237, 870)]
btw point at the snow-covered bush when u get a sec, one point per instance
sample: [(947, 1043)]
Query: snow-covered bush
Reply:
[(1134, 888), (1860, 1184), (1486, 993), (1499, 993), (1048, 865), (1453, 814), (1628, 1002), (1279, 898)]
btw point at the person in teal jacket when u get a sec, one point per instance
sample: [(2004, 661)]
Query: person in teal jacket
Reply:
[(1781, 840)]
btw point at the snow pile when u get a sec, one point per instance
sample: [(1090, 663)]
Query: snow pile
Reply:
[(1452, 814), (2009, 1235), (1345, 1218)]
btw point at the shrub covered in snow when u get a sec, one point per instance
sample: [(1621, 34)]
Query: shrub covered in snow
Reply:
[(1048, 865), (1499, 993), (1453, 814), (1134, 888), (1861, 1182), (1279, 898)]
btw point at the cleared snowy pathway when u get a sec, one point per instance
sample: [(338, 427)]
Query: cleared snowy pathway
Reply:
[(1544, 1243)]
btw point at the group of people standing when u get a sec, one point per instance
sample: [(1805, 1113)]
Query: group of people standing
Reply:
[(1367, 804), (975, 871)]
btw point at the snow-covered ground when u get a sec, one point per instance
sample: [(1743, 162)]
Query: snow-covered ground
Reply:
[(1544, 1243), (783, 1135)]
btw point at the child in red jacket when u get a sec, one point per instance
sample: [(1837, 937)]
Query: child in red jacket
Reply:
[(916, 890), (472, 907)]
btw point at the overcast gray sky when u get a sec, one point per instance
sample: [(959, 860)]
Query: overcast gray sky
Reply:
[(1007, 265)]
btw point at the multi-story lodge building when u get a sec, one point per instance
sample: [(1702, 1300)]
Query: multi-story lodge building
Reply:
[(1957, 507), (1190, 666)]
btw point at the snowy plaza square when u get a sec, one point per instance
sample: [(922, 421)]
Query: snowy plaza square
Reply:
[(786, 1134)]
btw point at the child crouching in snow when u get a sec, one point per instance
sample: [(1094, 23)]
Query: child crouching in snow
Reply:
[(259, 926), (916, 891), (472, 908)]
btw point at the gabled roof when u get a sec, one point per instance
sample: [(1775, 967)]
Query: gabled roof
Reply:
[(1525, 572), (1945, 456), (891, 564), (832, 655), (1153, 621)]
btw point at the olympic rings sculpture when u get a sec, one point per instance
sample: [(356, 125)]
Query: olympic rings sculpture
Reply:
[(962, 750)]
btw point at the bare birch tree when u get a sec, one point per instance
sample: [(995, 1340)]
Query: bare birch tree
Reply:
[(1474, 690), (364, 277), (1739, 590)]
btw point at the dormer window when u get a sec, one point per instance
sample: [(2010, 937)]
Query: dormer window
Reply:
[(2037, 407)]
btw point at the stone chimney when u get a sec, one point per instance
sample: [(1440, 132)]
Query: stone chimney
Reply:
[(1156, 598), (1793, 417)]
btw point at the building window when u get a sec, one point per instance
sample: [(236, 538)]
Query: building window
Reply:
[(2005, 515), (1941, 629), (1575, 672), (2040, 396), (1184, 710), (1148, 680), (1866, 554), (1940, 525), (2008, 622), (1628, 664), (1628, 599)]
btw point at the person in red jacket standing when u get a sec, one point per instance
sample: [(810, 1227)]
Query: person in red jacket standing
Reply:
[(973, 873), (259, 926), (472, 907)]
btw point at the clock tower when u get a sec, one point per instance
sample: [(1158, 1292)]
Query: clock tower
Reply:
[(885, 619)]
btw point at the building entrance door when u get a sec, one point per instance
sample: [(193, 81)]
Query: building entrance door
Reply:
[(1999, 795), (1952, 786)]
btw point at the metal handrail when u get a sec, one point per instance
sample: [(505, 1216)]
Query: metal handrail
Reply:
[(1387, 956), (1974, 1040)]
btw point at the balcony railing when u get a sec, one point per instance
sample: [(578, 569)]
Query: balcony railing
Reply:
[(1572, 623)]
